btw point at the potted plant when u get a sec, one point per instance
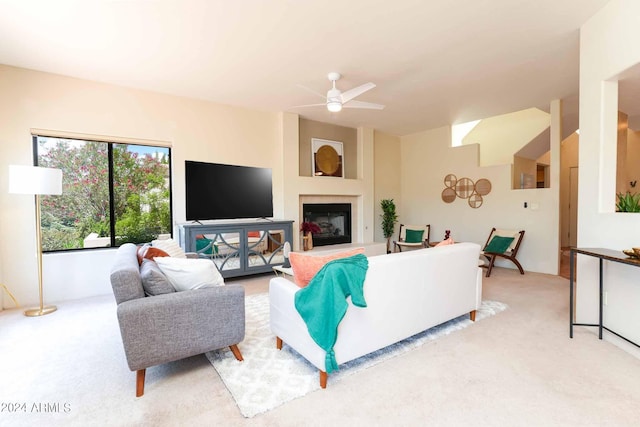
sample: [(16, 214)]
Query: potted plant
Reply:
[(628, 202), (389, 220), (308, 230)]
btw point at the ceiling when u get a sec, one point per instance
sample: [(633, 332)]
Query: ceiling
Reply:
[(435, 62)]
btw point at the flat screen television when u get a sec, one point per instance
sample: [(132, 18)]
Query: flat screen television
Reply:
[(218, 191)]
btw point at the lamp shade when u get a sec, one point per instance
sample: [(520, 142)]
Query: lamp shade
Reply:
[(34, 180), (334, 106)]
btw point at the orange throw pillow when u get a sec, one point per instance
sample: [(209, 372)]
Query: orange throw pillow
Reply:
[(253, 234), (154, 252), (306, 266), (446, 242)]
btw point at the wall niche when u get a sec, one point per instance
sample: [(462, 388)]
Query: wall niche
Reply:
[(628, 132), (309, 129)]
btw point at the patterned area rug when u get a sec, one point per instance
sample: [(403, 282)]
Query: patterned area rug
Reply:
[(269, 377)]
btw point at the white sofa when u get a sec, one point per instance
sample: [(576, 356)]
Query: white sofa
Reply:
[(406, 293)]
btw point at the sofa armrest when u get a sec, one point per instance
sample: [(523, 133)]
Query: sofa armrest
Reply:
[(479, 288), (169, 327), (283, 315), (287, 324)]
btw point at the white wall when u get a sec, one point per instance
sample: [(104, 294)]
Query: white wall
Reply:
[(569, 159), (426, 158), (196, 130), (608, 47)]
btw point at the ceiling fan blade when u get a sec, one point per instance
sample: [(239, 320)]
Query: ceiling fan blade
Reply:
[(352, 93), (362, 104), (312, 91), (308, 105)]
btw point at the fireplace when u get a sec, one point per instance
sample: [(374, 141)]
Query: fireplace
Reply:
[(334, 220)]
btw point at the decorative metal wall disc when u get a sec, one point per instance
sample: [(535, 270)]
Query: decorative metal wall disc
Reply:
[(483, 186), (464, 188), (450, 180), (448, 195), (475, 201)]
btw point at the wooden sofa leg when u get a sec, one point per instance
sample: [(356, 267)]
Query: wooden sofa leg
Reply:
[(140, 382), (323, 379), (472, 315), (236, 352), (279, 343)]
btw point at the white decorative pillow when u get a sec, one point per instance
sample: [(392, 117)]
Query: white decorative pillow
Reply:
[(186, 274), (170, 246)]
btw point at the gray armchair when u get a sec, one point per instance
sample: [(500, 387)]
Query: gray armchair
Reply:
[(163, 328)]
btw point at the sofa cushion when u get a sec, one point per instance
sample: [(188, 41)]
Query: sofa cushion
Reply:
[(186, 274), (205, 246), (152, 253), (141, 251), (413, 236), (306, 266), (125, 274), (154, 281), (170, 246)]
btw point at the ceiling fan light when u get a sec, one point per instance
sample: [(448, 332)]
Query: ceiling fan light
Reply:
[(334, 106)]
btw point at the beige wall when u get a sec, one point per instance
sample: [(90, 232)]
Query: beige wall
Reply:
[(426, 158), (386, 175), (500, 137), (633, 160), (348, 136), (622, 184), (568, 160), (196, 130), (298, 188), (605, 56)]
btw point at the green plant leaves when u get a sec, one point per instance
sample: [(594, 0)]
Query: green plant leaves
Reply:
[(628, 202), (389, 217)]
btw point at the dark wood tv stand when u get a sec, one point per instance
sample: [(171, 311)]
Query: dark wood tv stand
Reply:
[(238, 247)]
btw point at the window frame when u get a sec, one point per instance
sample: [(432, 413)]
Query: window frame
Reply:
[(110, 143)]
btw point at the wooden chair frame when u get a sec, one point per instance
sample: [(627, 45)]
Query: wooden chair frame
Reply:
[(509, 254), (400, 243)]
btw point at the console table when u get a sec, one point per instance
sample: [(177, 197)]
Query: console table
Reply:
[(602, 255), (238, 248)]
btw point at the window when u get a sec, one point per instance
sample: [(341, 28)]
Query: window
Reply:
[(112, 193)]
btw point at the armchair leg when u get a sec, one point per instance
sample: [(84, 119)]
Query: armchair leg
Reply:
[(236, 352), (279, 343), (140, 382), (472, 315), (491, 261), (515, 261), (323, 379)]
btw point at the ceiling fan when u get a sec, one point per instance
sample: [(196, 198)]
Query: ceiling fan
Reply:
[(336, 99)]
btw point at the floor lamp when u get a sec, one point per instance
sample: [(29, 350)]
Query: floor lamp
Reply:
[(37, 181)]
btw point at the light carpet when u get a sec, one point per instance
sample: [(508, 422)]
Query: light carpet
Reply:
[(269, 377)]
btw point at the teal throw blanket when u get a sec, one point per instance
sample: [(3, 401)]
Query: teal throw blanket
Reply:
[(322, 304)]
